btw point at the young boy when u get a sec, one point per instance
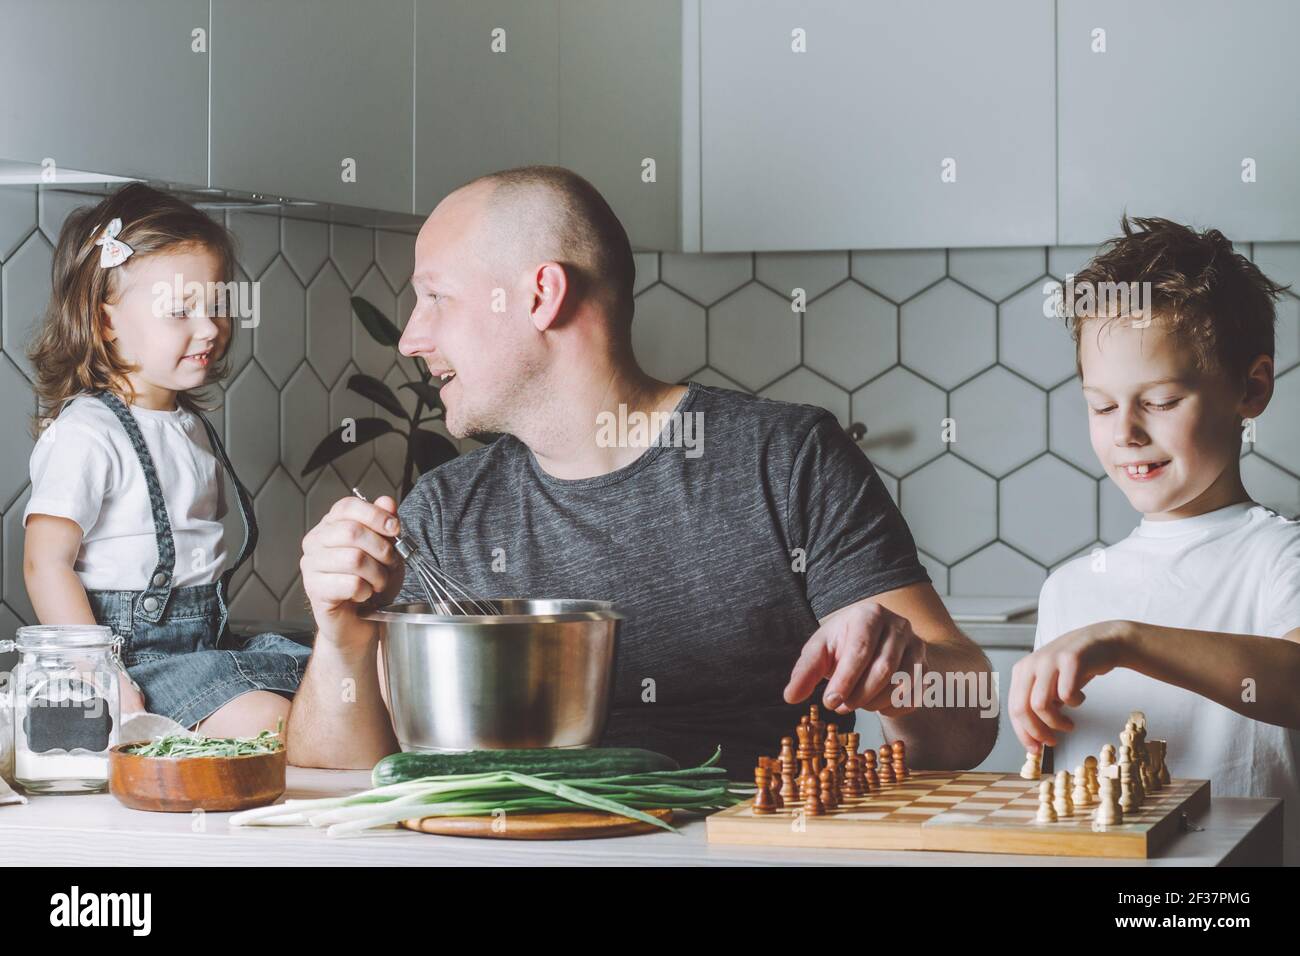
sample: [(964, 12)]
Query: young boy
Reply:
[(1194, 618)]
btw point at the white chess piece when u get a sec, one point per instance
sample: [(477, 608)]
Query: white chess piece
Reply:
[(1062, 804), (1046, 814), (1081, 797), (1108, 812), (1033, 768)]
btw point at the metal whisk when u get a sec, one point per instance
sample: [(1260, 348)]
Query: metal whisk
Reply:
[(442, 591)]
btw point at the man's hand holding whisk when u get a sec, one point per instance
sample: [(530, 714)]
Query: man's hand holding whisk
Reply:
[(349, 563)]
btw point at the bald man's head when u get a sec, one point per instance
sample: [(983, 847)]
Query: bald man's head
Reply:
[(537, 214)]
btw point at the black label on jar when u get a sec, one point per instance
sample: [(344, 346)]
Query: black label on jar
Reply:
[(77, 717)]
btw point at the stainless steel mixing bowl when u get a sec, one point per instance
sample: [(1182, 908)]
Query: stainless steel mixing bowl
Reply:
[(538, 675)]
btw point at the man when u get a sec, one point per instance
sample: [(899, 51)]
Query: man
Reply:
[(754, 556)]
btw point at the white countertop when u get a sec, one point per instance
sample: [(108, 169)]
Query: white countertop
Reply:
[(95, 829)]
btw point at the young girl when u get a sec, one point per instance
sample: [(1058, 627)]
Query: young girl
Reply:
[(124, 523)]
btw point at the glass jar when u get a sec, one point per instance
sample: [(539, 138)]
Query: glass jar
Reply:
[(65, 706)]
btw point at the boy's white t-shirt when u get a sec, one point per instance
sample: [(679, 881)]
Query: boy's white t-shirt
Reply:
[(1236, 571), (85, 468)]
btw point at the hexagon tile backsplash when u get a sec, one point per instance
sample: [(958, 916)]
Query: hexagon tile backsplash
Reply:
[(898, 340)]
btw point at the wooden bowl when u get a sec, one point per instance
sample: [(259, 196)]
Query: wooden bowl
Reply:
[(178, 784)]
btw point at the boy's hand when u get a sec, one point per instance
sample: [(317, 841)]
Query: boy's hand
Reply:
[(1053, 677)]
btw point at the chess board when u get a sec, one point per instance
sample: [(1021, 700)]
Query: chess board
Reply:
[(966, 811)]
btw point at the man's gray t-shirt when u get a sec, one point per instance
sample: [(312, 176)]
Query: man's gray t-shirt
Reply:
[(723, 560)]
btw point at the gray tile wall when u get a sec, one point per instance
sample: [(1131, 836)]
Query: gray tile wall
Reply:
[(901, 340), (896, 340)]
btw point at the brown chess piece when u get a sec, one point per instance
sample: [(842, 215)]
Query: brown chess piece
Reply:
[(831, 753), (900, 761), (773, 766), (869, 776), (812, 804), (886, 764), (818, 734), (853, 759), (763, 802), (853, 775), (805, 751), (789, 793), (827, 792)]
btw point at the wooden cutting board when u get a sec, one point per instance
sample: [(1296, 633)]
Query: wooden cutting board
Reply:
[(577, 825)]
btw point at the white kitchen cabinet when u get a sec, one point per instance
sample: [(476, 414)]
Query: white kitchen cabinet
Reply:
[(307, 92), (898, 125), (134, 106), (622, 110), (1168, 107), (486, 90)]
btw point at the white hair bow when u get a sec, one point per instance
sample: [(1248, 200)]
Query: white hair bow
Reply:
[(113, 251)]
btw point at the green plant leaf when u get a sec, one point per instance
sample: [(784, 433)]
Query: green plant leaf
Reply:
[(372, 388), (376, 323), (428, 393), (333, 446), (430, 450)]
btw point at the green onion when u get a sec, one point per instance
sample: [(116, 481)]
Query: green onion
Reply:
[(703, 788)]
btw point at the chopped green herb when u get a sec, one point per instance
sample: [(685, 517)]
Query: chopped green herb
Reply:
[(187, 745)]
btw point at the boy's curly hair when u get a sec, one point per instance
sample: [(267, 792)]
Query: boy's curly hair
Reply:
[(1211, 297), (69, 352)]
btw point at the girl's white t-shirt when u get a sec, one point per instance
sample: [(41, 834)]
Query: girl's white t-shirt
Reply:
[(85, 468), (1236, 571)]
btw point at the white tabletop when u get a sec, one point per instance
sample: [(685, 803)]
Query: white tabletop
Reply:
[(95, 829)]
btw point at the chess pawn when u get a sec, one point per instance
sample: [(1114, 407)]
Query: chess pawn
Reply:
[(763, 802), (774, 779), (886, 764), (869, 776), (1033, 768), (1108, 812), (812, 804), (1046, 814), (827, 793), (853, 775), (900, 761), (1063, 806), (854, 766), (1107, 759), (1081, 797), (789, 793), (1090, 772)]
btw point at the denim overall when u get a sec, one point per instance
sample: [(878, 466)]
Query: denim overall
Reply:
[(177, 645)]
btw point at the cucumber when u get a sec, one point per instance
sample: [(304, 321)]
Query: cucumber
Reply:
[(593, 762)]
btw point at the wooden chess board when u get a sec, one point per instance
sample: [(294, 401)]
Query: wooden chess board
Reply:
[(968, 811)]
